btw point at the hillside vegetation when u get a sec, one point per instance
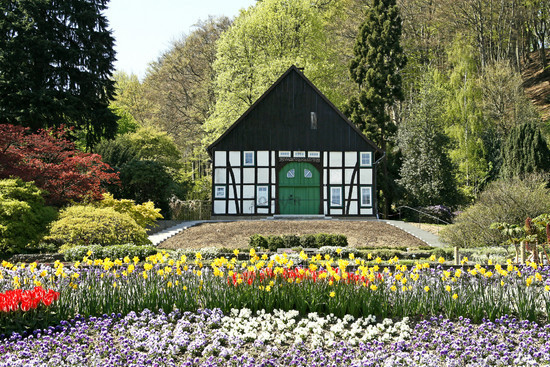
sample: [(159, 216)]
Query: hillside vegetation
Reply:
[(537, 84)]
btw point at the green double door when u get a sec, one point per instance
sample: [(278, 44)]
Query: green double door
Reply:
[(299, 189)]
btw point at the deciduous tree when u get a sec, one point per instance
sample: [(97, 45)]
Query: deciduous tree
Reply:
[(262, 43), (51, 160), (427, 174)]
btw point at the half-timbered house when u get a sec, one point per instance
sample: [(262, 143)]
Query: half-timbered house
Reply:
[(293, 152)]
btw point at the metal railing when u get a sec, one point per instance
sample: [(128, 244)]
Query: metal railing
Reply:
[(420, 212)]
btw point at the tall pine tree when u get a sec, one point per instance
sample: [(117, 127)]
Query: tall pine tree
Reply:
[(378, 58), (525, 151), (56, 61)]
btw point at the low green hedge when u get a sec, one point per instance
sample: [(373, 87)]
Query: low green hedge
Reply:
[(113, 252), (291, 241)]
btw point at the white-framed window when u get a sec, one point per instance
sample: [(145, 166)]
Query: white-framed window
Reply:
[(248, 159), (262, 196), (299, 154), (284, 154), (365, 159), (219, 192), (366, 196), (314, 154), (335, 196)]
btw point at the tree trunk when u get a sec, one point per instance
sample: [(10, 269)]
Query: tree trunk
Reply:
[(542, 52)]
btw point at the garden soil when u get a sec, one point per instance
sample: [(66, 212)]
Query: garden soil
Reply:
[(371, 234)]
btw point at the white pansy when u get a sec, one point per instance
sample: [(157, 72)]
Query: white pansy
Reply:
[(287, 327)]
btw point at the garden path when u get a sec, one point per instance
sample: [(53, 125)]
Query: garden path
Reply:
[(428, 237)]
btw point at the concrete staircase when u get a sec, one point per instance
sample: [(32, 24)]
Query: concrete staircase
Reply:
[(161, 236)]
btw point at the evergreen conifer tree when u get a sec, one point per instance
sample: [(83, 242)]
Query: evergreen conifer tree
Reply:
[(378, 58), (525, 151), (56, 61)]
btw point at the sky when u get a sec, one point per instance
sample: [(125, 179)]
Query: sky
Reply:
[(144, 29)]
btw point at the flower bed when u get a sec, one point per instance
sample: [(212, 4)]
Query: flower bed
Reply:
[(322, 284), (243, 338), (326, 311)]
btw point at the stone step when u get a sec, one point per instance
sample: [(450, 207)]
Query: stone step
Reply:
[(298, 217)]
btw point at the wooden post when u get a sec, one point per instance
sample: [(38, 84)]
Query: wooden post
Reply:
[(522, 252), (457, 257)]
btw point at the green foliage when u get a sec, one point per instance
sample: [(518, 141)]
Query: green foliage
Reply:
[(275, 242), (146, 143), (504, 101), (23, 216), (144, 181), (262, 43), (129, 103), (291, 241), (378, 58), (308, 241), (145, 215), (207, 253), (375, 68), (116, 152), (198, 189), (56, 60), (77, 253), (257, 241), (154, 145), (427, 174), (525, 151), (148, 161), (180, 86), (81, 225), (508, 201), (466, 125)]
